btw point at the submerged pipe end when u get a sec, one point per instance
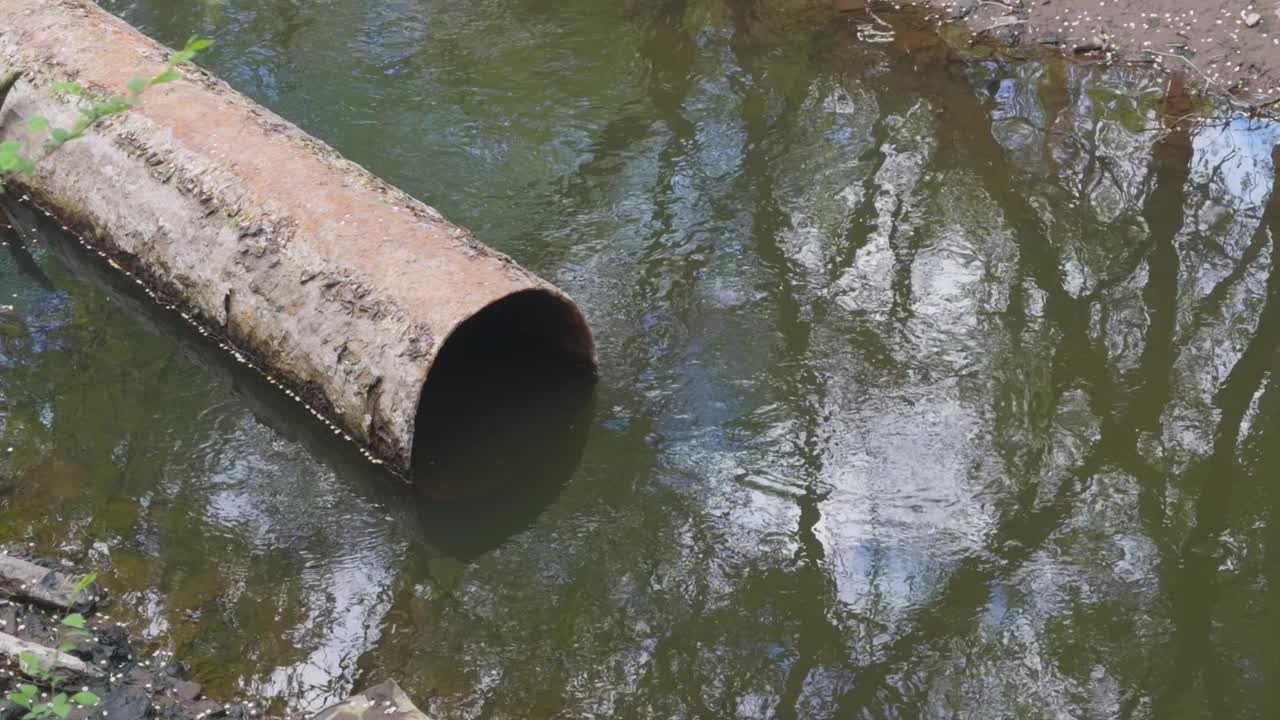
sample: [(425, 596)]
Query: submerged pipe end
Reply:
[(525, 359), (534, 330)]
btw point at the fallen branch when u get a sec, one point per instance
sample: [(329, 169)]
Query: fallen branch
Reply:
[(66, 668)]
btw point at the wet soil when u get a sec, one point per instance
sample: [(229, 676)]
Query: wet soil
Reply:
[(1230, 48), (135, 686)]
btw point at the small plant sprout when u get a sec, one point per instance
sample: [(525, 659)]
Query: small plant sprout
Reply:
[(93, 108), (11, 159), (27, 695)]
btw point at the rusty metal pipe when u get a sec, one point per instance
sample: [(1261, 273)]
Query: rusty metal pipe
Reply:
[(341, 288)]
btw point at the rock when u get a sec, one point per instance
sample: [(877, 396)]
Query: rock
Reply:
[(164, 706), (9, 619), (1252, 19), (186, 691), (126, 702), (29, 582), (1092, 45), (172, 668), (109, 648), (26, 624), (380, 702), (11, 710)]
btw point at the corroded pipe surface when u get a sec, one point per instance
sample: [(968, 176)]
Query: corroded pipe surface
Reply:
[(338, 286)]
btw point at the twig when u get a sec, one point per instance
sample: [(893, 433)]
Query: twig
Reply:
[(1208, 79), (7, 84), (876, 17), (1003, 22)]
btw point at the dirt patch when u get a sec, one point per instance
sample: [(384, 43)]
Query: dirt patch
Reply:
[(1228, 48)]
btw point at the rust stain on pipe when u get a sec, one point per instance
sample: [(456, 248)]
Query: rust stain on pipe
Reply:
[(336, 284)]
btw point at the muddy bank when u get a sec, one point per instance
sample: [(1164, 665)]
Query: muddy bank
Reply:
[(37, 598), (1230, 49)]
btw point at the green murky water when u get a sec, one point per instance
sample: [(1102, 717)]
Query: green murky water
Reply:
[(928, 389)]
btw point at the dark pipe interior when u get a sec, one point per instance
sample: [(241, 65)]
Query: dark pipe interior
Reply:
[(506, 404)]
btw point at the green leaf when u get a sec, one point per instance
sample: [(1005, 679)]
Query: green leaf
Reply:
[(110, 106), (167, 76), (85, 698), (60, 706), (37, 123), (59, 135), (197, 43), (180, 57), (22, 697), (24, 165), (137, 85), (10, 146), (67, 646), (8, 162), (83, 583), (75, 620), (29, 663), (71, 88)]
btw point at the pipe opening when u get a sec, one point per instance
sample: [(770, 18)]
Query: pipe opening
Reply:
[(506, 401)]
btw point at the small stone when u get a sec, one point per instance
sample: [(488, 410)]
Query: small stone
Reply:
[(1092, 45), (1252, 19), (186, 691)]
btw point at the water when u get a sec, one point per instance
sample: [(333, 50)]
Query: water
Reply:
[(928, 389)]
